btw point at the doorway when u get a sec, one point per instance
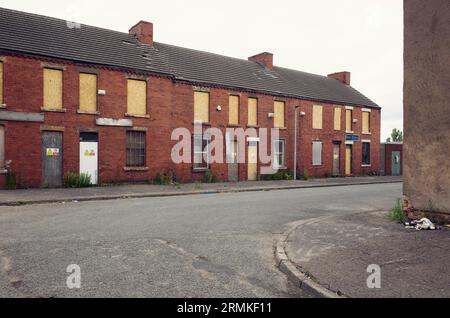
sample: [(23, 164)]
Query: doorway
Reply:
[(89, 155), (252, 164), (233, 165), (52, 158), (396, 163), (348, 160), (336, 159)]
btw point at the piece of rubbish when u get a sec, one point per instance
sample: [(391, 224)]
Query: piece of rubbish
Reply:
[(422, 224)]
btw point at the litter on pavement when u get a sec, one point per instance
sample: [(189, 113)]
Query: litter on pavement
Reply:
[(422, 224)]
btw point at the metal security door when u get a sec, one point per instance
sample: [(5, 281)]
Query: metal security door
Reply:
[(336, 159), (89, 155), (52, 158), (396, 164)]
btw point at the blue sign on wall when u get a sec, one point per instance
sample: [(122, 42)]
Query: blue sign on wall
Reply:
[(350, 137)]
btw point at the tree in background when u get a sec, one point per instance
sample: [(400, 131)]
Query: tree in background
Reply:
[(396, 136)]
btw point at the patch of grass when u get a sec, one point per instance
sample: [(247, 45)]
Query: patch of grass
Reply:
[(11, 180), (396, 213), (279, 175), (73, 180), (305, 175), (209, 177)]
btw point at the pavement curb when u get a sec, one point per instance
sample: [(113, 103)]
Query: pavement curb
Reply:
[(294, 274), (176, 194)]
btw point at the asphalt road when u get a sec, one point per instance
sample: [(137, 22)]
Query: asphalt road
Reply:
[(217, 245)]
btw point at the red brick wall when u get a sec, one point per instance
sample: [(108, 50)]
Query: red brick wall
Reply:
[(170, 105)]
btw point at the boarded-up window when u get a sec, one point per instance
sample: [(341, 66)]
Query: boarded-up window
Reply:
[(201, 107), (233, 117), (88, 92), (136, 148), (137, 97), (337, 118), (317, 153), (2, 147), (348, 120), (53, 89), (252, 112), (279, 115), (1, 84), (365, 122), (317, 117)]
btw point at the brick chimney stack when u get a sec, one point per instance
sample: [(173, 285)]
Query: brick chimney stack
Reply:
[(343, 77), (265, 59), (143, 31)]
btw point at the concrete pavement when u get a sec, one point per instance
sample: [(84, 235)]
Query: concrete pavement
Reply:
[(335, 252), (33, 196), (212, 245)]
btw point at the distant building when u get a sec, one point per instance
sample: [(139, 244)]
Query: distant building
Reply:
[(391, 159), (427, 105)]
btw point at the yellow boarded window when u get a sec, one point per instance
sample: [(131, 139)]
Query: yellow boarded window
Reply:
[(337, 119), (348, 120), (252, 112), (366, 122), (201, 107), (53, 89), (279, 115), (233, 116), (88, 92), (1, 84), (317, 117), (137, 97)]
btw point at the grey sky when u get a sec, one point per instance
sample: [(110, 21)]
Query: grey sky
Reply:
[(364, 37)]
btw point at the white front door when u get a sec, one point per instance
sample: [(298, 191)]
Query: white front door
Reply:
[(89, 159)]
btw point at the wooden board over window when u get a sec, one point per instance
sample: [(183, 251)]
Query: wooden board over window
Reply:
[(348, 120), (365, 122), (233, 110), (279, 114), (337, 118), (53, 89), (137, 97), (252, 112), (201, 107), (317, 117), (88, 92)]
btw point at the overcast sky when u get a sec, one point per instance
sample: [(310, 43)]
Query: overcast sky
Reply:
[(364, 37)]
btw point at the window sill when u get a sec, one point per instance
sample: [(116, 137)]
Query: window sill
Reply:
[(56, 110), (318, 166), (3, 106), (130, 169), (84, 112), (201, 123), (366, 133), (281, 128), (349, 132), (137, 116), (253, 126), (366, 166), (200, 170), (233, 126)]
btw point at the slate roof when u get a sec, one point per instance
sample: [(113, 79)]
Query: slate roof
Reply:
[(50, 37)]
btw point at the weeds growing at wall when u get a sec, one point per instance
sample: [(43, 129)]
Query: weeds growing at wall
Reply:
[(396, 213), (74, 180)]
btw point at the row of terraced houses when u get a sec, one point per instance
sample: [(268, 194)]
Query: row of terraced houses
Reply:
[(77, 98)]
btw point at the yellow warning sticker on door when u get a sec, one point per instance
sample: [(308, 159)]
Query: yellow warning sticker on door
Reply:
[(52, 152), (89, 153)]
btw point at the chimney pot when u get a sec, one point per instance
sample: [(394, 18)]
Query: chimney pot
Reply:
[(143, 31), (265, 59), (343, 77)]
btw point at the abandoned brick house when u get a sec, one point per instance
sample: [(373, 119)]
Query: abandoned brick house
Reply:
[(77, 98)]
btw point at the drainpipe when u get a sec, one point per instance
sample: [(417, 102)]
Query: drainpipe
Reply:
[(295, 139)]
